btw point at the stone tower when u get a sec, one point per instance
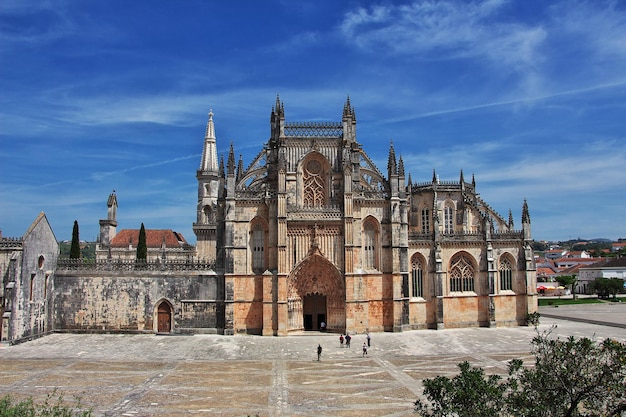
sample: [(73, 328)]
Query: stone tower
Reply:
[(108, 226), (208, 186)]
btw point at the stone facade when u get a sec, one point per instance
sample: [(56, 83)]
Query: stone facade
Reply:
[(310, 232), (313, 232), (27, 267)]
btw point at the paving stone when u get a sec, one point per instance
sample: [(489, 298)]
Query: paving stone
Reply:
[(148, 375)]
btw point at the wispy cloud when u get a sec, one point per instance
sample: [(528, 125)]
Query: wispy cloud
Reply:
[(443, 30)]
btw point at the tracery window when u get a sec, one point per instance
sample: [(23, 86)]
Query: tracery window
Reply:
[(425, 220), (461, 274), (506, 274), (448, 219), (370, 237), (258, 247), (314, 187), (417, 278)]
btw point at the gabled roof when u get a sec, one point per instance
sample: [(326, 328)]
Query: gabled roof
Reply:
[(609, 263), (154, 238), (545, 271)]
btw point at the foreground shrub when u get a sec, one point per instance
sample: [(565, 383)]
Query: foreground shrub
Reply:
[(50, 408), (570, 378)]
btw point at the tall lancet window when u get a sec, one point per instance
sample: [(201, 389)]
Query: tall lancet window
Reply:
[(506, 274), (417, 277), (258, 247), (314, 186), (370, 244), (461, 273)]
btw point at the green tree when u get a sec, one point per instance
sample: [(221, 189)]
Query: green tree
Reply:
[(571, 378), (142, 247), (75, 248), (607, 286), (568, 281)]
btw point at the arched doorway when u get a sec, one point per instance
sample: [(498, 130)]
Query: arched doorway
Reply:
[(314, 309), (164, 317), (316, 294)]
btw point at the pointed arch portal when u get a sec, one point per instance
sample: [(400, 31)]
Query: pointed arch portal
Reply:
[(164, 317), (316, 295)]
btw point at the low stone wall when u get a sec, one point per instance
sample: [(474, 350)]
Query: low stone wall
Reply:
[(128, 301)]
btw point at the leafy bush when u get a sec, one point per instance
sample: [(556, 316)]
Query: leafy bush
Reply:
[(50, 408), (570, 378)]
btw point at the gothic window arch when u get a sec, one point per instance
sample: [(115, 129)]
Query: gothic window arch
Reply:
[(448, 217), (505, 270), (258, 245), (314, 182), (418, 265), (461, 273), (370, 243)]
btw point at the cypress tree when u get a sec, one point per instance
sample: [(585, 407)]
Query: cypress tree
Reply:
[(75, 248), (142, 247)]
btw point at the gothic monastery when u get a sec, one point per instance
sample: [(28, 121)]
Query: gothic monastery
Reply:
[(310, 235)]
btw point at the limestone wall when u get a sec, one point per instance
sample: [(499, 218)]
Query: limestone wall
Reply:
[(128, 301)]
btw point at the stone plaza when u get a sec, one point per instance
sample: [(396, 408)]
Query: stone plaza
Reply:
[(153, 375)]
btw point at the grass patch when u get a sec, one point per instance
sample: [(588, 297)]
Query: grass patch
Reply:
[(543, 302)]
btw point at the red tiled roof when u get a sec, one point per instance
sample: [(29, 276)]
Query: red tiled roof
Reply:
[(154, 238), (544, 271)]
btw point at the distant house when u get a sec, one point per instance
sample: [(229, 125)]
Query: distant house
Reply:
[(606, 268), (162, 244), (617, 246), (567, 262), (578, 254), (553, 254)]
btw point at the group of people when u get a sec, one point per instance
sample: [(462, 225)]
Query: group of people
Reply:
[(347, 338)]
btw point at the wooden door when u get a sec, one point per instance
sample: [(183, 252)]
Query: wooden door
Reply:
[(164, 319)]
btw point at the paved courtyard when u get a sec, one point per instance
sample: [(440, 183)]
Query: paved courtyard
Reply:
[(149, 375)]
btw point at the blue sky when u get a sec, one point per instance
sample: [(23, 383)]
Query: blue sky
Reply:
[(529, 96)]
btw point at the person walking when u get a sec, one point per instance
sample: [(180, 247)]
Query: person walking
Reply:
[(341, 340), (368, 339), (364, 349), (348, 338), (319, 352)]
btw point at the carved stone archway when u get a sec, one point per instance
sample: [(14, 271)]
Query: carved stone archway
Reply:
[(316, 279)]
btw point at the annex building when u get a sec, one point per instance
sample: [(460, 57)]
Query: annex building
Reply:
[(310, 232)]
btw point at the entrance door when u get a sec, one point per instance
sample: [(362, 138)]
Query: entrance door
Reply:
[(314, 310), (164, 319)]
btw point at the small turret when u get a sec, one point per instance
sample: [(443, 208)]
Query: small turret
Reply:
[(239, 168), (108, 226), (526, 221), (230, 165), (349, 121)]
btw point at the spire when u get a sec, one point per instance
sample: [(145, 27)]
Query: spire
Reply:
[(511, 225), (391, 161), (240, 168), (401, 167), (434, 176), (526, 222), (410, 181), (348, 110), (473, 182), (221, 168), (209, 152), (525, 213), (462, 179), (230, 165)]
